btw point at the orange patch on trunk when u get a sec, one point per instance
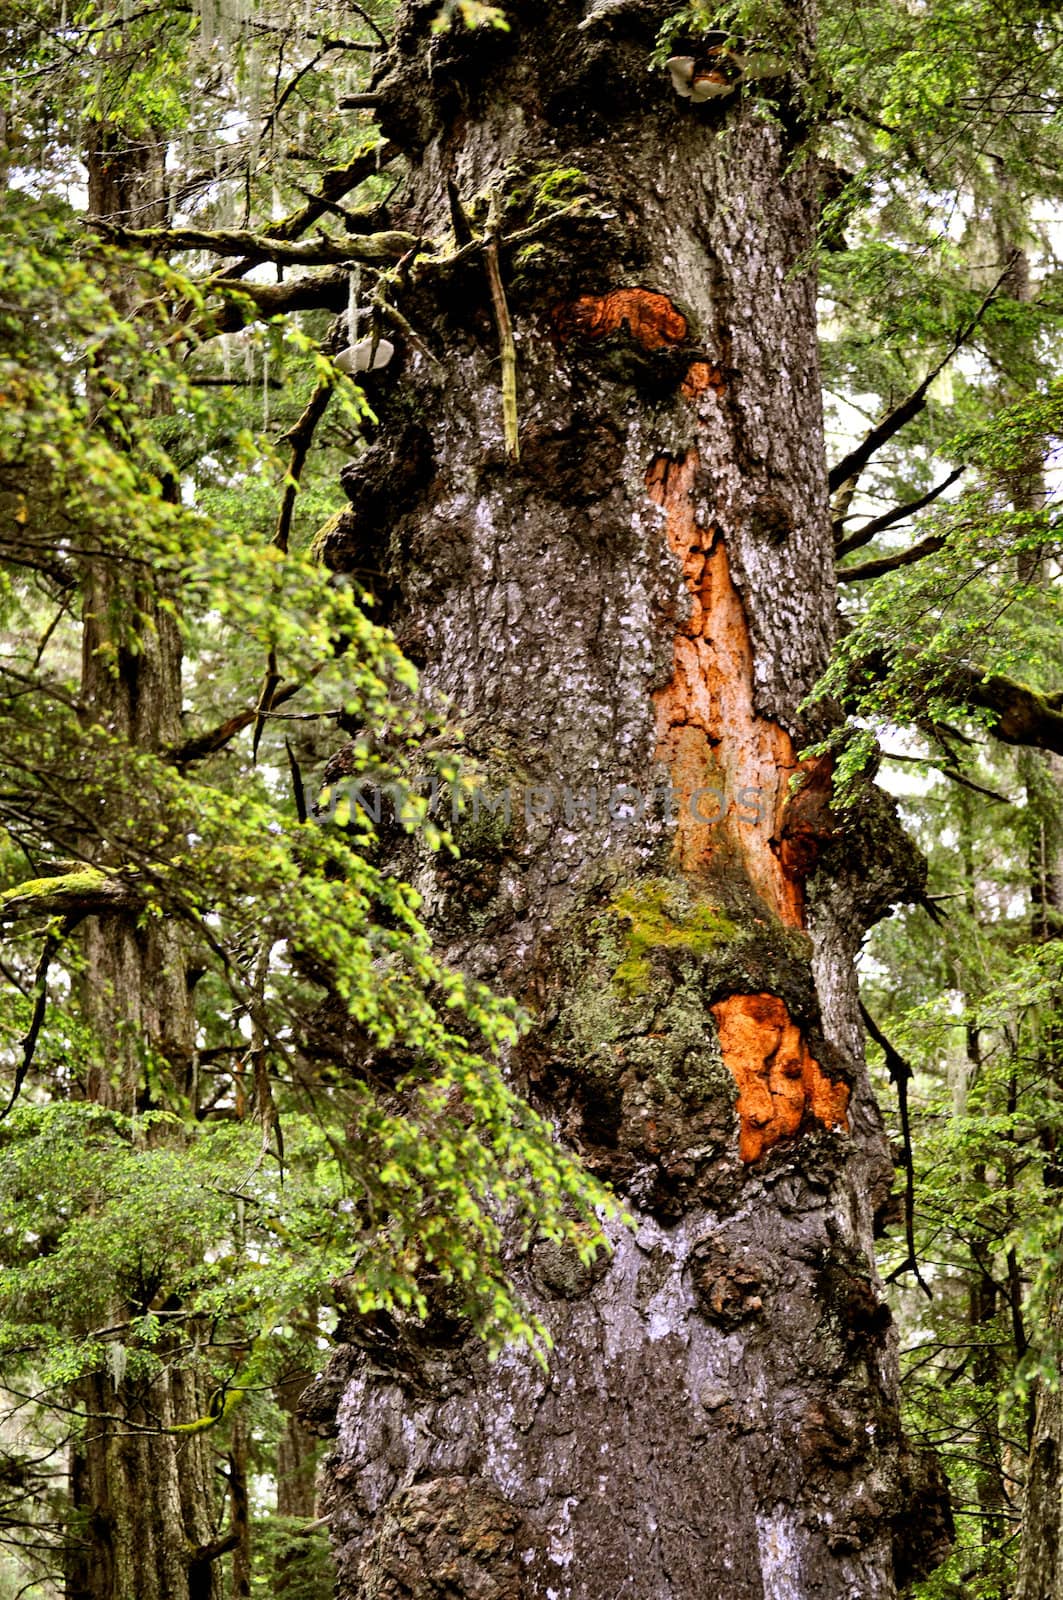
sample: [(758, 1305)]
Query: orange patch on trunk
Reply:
[(779, 1084), (708, 734), (650, 319), (701, 375)]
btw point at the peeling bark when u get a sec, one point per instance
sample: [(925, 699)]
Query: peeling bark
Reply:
[(631, 615)]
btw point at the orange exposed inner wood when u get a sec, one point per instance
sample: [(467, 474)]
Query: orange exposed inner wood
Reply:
[(708, 734), (779, 1084), (702, 375), (650, 319)]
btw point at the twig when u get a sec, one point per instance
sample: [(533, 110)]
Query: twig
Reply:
[(506, 347), (956, 776), (360, 11), (215, 739), (900, 1073), (298, 788), (508, 241)]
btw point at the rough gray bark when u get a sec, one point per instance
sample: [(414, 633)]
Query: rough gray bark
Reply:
[(642, 602)]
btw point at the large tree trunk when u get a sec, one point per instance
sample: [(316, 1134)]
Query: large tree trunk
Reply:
[(628, 620)]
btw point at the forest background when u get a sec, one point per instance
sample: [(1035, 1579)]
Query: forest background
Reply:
[(195, 1201)]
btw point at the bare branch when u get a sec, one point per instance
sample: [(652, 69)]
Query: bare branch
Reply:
[(950, 772), (214, 1550), (300, 436), (335, 183), (902, 558), (52, 942), (216, 738), (853, 464), (854, 541), (375, 249), (900, 1073), (251, 302)]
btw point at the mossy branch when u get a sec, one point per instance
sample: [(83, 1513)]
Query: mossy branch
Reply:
[(1019, 714), (87, 892), (328, 291), (226, 1405), (375, 249)]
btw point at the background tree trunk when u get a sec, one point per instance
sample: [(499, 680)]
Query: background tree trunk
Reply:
[(628, 620), (143, 1497), (1040, 1570), (239, 1510), (296, 1454), (1040, 1576)]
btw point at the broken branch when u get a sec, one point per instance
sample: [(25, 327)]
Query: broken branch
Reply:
[(903, 558), (506, 346)]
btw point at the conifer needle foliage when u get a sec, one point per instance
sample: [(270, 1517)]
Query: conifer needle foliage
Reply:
[(343, 1133)]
